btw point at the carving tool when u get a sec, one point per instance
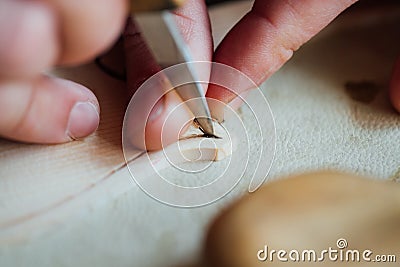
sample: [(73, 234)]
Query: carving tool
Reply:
[(193, 91)]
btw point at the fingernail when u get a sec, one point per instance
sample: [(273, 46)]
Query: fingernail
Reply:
[(395, 86), (157, 110), (83, 120)]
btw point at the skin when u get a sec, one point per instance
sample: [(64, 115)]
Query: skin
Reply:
[(40, 109), (308, 211)]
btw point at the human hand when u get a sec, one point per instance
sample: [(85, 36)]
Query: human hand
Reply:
[(268, 35), (36, 108), (36, 35), (194, 23)]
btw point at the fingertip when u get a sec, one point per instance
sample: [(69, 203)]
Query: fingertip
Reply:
[(89, 28), (217, 109), (194, 23)]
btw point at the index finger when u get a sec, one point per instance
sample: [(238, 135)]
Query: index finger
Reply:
[(266, 37)]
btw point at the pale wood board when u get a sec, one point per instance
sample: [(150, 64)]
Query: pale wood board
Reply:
[(75, 204)]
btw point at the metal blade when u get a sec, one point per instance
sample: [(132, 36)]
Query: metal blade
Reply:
[(194, 91)]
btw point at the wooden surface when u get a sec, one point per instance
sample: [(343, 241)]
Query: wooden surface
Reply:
[(75, 204)]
